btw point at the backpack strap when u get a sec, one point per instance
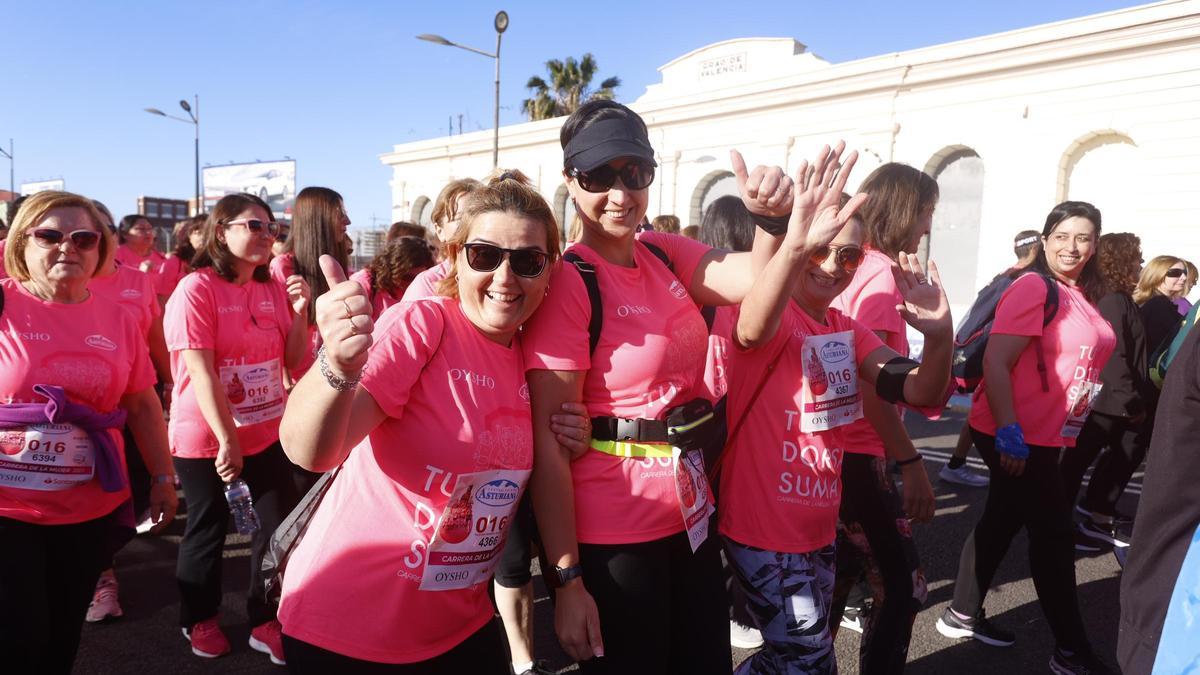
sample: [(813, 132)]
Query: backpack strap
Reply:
[(587, 272), (1049, 310), (715, 468), (660, 254)]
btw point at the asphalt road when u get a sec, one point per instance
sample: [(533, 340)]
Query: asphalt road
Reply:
[(147, 639)]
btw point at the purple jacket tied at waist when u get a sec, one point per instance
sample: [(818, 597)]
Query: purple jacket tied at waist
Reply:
[(58, 410)]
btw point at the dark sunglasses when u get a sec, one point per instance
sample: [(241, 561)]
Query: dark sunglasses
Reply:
[(526, 262), (1175, 272), (636, 175), (257, 226), (281, 237), (847, 257), (84, 240)]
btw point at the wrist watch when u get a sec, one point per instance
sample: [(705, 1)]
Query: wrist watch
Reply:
[(564, 574)]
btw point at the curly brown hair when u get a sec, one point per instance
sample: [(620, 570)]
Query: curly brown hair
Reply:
[(1120, 256), (399, 261)]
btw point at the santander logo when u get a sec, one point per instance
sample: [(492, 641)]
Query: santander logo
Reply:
[(100, 342)]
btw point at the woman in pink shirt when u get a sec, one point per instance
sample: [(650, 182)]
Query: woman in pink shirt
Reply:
[(74, 369), (427, 413), (389, 275), (781, 475), (1041, 373), (137, 247), (189, 237), (232, 332)]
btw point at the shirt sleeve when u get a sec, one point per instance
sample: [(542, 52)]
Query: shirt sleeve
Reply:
[(191, 318), (405, 339), (1021, 309), (556, 337), (685, 254), (865, 340), (424, 285), (875, 305), (141, 371), (153, 306)]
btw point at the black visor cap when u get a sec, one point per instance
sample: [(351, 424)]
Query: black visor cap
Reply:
[(605, 141)]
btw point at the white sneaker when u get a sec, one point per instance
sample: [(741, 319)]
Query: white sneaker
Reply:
[(963, 475), (104, 600), (744, 637)]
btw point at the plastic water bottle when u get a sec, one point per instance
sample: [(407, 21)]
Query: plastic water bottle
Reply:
[(241, 505)]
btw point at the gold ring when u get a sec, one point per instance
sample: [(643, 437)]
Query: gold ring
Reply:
[(353, 328), (349, 312)]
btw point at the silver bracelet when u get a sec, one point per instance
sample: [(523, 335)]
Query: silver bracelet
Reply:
[(333, 380)]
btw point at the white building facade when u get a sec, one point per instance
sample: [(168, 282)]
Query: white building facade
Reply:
[(1104, 108)]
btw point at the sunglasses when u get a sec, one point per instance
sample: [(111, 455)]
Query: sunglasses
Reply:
[(526, 262), (256, 226), (1175, 272), (84, 240), (847, 257), (281, 237), (637, 175)]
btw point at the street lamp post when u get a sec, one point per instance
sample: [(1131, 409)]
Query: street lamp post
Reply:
[(501, 24), (193, 111), (12, 182)]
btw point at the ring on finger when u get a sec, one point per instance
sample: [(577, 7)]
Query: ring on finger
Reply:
[(353, 327), (349, 312)]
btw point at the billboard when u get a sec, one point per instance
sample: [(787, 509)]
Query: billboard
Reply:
[(43, 186), (274, 182)]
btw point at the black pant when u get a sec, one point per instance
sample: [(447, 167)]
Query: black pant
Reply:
[(1127, 445), (481, 653), (737, 595), (269, 475), (513, 569), (1034, 501), (47, 575), (662, 608), (871, 510)]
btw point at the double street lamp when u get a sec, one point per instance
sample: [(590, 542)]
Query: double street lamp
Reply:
[(193, 118), (501, 24)]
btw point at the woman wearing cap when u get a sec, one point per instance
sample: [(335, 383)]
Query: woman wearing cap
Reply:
[(626, 526)]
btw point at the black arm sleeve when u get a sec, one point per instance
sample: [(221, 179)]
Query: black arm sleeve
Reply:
[(889, 386)]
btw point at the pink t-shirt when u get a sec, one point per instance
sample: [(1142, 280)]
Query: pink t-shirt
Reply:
[(456, 402), (425, 285), (170, 273), (244, 326), (1076, 344), (282, 267), (127, 256), (132, 290), (871, 299), (380, 300), (780, 486), (97, 354), (651, 357), (716, 376)]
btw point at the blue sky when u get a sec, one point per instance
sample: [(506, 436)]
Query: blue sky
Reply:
[(334, 84)]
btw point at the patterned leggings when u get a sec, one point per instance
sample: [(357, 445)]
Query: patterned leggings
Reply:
[(788, 596)]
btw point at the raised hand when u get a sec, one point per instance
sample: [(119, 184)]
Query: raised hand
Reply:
[(766, 191), (298, 292), (925, 305), (344, 320), (816, 216)]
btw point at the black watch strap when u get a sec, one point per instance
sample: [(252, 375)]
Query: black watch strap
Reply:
[(564, 574)]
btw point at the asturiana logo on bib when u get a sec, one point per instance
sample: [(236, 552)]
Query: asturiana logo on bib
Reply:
[(256, 375), (833, 351), (100, 342), (498, 492)]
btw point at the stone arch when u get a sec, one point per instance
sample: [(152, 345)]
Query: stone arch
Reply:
[(710, 187), (1080, 147), (564, 211), (420, 210), (953, 239)]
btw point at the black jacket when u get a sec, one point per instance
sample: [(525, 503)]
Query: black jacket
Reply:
[(1160, 316), (1127, 390)]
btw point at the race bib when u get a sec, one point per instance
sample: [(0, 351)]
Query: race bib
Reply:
[(1081, 406), (691, 486), (255, 391), (46, 457), (470, 534), (831, 397)]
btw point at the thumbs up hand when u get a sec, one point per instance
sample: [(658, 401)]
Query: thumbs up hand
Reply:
[(344, 319), (766, 191)]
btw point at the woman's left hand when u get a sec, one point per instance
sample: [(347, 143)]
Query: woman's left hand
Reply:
[(573, 428), (766, 191), (918, 500), (299, 294), (925, 305), (163, 504)]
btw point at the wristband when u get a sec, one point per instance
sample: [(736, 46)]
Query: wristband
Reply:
[(334, 381), (773, 225), (1010, 440), (162, 478), (911, 460)]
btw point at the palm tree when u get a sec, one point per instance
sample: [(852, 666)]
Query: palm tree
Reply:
[(568, 88)]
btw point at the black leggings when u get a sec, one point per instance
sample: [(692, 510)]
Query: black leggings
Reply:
[(875, 540), (663, 609), (1033, 501), (481, 653), (513, 569), (47, 576), (1127, 445), (198, 571)]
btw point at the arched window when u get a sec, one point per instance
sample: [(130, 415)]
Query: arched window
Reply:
[(953, 240), (712, 187), (1105, 169), (422, 211)]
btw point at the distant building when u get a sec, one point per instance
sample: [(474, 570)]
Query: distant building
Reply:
[(163, 214), (368, 243)]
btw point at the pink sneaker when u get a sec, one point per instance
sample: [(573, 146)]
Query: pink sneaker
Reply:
[(207, 639), (268, 639), (104, 601)]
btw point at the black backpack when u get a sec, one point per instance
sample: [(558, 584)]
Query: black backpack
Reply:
[(970, 342)]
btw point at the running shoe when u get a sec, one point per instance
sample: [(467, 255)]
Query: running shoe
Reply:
[(744, 637), (963, 475), (1067, 663), (207, 638), (978, 628), (538, 668), (268, 639), (1121, 554), (105, 604), (853, 619), (1117, 517), (1106, 532)]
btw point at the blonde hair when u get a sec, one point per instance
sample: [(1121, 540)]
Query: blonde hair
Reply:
[(35, 209), (1152, 277), (506, 191), (445, 207)]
